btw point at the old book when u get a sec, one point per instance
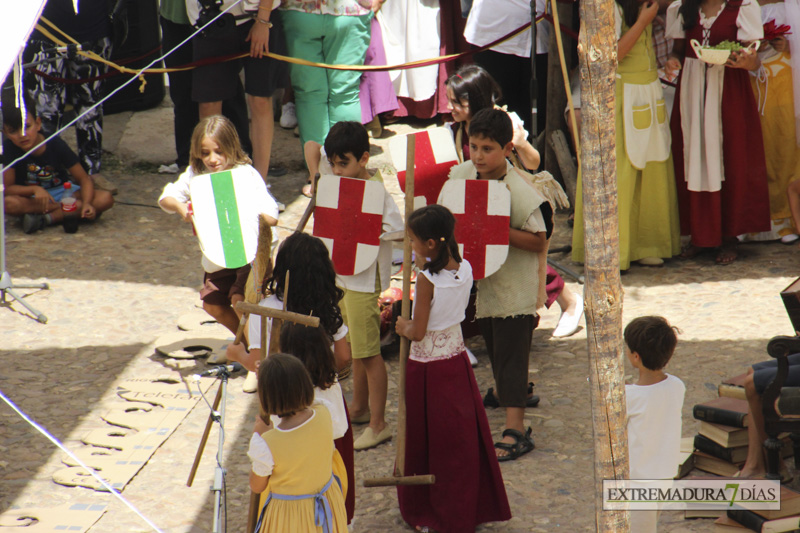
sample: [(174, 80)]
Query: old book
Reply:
[(790, 505), (713, 465), (733, 387), (727, 411), (751, 520), (733, 455), (725, 436), (791, 301)]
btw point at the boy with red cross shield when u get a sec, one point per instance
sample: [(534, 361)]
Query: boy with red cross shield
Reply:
[(363, 266), (509, 298)]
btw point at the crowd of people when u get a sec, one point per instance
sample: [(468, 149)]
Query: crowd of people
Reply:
[(723, 168)]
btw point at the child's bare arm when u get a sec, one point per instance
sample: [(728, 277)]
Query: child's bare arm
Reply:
[(525, 240), (173, 205), (342, 353), (39, 194), (415, 329)]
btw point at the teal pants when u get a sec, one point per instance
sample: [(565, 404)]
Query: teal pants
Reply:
[(324, 97)]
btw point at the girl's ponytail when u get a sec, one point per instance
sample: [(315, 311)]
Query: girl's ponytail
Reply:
[(436, 222)]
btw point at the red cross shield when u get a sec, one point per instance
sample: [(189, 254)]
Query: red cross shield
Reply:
[(434, 155), (482, 209), (348, 218)]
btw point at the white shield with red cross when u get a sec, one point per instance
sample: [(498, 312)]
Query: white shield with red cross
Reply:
[(225, 218), (349, 218), (434, 156), (482, 209)]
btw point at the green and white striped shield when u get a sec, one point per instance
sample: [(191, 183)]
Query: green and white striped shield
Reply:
[(226, 219)]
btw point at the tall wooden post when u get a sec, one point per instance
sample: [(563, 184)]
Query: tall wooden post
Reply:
[(598, 60)]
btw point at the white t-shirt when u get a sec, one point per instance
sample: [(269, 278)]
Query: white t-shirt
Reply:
[(654, 428), (254, 325), (254, 184)]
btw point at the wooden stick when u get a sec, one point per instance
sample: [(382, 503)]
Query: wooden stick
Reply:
[(254, 309), (312, 204), (252, 511), (399, 477), (393, 481), (405, 312), (204, 439)]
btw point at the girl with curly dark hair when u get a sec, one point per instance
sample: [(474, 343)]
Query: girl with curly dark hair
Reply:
[(312, 290)]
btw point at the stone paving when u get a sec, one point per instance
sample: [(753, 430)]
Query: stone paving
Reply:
[(117, 285)]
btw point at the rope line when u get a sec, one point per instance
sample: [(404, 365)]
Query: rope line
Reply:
[(63, 448), (293, 60)]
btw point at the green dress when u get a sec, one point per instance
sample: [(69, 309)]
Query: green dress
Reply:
[(646, 196)]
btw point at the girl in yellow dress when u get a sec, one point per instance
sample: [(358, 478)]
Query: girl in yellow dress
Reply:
[(293, 461)]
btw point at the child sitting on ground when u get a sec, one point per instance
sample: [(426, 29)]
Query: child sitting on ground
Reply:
[(215, 147), (654, 406), (34, 185), (508, 299), (347, 149)]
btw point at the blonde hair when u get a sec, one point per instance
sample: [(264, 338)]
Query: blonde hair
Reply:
[(220, 130)]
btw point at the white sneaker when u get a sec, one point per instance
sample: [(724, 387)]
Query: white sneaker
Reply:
[(789, 239), (568, 323), (250, 382), (169, 169), (288, 116)]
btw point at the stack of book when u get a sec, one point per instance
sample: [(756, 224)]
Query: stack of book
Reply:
[(721, 443), (787, 518)]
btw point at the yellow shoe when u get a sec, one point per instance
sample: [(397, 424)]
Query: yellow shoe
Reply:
[(369, 439)]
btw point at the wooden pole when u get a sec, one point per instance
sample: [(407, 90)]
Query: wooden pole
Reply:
[(603, 294), (199, 454), (399, 477)]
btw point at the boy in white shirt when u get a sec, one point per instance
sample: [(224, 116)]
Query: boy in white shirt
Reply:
[(654, 406)]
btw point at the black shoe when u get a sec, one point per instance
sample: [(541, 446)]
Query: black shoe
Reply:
[(32, 223)]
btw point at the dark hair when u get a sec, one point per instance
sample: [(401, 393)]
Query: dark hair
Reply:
[(473, 84), (346, 137), (284, 386), (312, 282), (493, 124), (313, 347), (13, 117), (438, 223), (653, 339), (630, 11)]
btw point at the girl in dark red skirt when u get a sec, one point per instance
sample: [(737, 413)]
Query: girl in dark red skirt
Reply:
[(448, 433)]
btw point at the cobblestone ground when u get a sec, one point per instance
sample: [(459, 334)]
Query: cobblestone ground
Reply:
[(119, 284)]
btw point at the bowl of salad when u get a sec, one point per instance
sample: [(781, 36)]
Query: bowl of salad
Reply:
[(719, 53)]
